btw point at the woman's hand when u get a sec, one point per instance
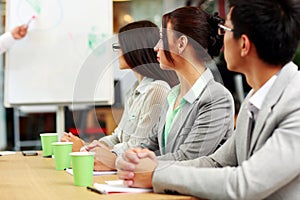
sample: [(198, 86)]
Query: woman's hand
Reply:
[(104, 159), (19, 31), (95, 144), (77, 142)]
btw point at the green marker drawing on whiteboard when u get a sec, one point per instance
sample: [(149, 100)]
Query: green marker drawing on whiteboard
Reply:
[(36, 5), (95, 38)]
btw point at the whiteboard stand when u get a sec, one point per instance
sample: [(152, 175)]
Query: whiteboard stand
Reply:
[(17, 142), (17, 129), (60, 121)]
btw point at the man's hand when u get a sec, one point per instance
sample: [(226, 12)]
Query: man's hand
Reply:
[(136, 167)]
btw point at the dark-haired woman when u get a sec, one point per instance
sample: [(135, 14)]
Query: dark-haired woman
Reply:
[(144, 100), (199, 113), (146, 97)]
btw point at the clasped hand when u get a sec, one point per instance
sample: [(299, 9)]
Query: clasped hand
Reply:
[(136, 167)]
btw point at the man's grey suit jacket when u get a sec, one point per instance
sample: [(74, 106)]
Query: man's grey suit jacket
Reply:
[(267, 167)]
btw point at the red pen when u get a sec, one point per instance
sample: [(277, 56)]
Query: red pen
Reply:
[(30, 20)]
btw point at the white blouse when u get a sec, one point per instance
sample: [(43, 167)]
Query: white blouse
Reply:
[(141, 112)]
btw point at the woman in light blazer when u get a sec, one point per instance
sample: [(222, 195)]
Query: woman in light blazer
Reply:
[(198, 115)]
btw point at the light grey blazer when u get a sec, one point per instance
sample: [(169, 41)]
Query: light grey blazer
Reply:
[(268, 167), (201, 125)]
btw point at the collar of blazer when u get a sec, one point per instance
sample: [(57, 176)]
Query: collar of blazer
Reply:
[(194, 93), (286, 74)]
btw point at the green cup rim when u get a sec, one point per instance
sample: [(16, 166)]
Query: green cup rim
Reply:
[(48, 134), (61, 143), (82, 154)]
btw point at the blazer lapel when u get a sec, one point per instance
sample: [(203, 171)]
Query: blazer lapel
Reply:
[(178, 123), (192, 99), (242, 131), (272, 97), (259, 123)]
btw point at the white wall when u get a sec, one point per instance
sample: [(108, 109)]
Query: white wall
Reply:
[(170, 5), (147, 9)]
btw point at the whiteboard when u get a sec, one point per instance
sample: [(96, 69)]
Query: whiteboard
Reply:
[(66, 56)]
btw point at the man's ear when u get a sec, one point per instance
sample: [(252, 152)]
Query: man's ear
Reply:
[(245, 45)]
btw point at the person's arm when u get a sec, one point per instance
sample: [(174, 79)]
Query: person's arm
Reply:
[(128, 162), (8, 39), (112, 139), (151, 109), (152, 142), (213, 121), (224, 156)]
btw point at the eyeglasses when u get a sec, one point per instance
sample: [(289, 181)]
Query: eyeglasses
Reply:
[(222, 29), (116, 47)]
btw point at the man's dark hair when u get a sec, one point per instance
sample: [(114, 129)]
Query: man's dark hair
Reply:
[(272, 25)]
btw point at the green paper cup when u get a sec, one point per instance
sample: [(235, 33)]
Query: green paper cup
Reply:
[(61, 152), (46, 140), (83, 165)]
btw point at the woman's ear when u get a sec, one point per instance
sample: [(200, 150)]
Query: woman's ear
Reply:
[(182, 43)]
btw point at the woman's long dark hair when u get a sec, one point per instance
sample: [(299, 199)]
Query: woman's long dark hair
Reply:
[(137, 41)]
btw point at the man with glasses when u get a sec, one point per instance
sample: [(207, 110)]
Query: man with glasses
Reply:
[(261, 159)]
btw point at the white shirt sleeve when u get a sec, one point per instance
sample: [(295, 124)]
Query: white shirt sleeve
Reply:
[(6, 41)]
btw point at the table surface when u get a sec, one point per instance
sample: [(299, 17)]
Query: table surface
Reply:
[(35, 177)]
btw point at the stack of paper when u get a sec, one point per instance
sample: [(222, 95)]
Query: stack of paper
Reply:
[(5, 153), (118, 187), (95, 173)]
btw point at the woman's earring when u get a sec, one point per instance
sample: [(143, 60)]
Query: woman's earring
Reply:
[(179, 48)]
